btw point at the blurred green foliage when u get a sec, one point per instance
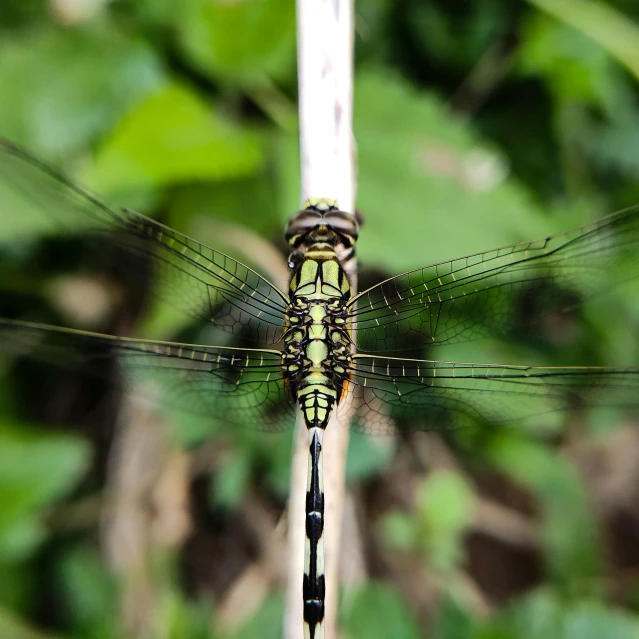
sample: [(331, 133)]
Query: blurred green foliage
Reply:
[(478, 123), (35, 470)]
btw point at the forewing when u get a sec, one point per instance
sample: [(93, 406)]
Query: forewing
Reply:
[(394, 394), (202, 282), (237, 386), (478, 295)]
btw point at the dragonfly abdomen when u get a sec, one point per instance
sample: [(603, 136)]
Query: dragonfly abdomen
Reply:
[(314, 589), (316, 394), (315, 364)]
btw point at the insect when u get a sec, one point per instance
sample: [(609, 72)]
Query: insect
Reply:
[(327, 343)]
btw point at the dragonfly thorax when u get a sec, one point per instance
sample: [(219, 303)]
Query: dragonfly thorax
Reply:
[(317, 354)]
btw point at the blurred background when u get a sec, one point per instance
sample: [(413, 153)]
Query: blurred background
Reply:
[(478, 123)]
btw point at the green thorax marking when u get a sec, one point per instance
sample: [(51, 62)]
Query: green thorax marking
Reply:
[(319, 277), (317, 354)]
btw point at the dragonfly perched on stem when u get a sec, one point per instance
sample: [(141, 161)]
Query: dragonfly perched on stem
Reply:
[(303, 355)]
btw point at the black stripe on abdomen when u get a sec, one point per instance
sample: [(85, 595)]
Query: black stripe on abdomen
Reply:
[(314, 582)]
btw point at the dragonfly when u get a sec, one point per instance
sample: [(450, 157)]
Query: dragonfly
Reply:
[(318, 346)]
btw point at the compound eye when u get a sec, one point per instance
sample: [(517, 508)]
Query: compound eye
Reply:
[(301, 223), (343, 222)]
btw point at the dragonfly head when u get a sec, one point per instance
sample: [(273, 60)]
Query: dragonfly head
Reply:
[(321, 221)]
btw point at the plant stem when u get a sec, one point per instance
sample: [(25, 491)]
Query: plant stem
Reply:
[(325, 73)]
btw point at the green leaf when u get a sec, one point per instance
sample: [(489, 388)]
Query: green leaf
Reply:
[(239, 41), (444, 511), (590, 620), (36, 467), (616, 145), (455, 619), (18, 583), (610, 28), (448, 38), (266, 623), (197, 207), (35, 470), (19, 538), (13, 627), (535, 616), (575, 68), (445, 501), (61, 88), (399, 530), (573, 559), (543, 614), (367, 456), (89, 592), (172, 137), (184, 618), (21, 221), (232, 479), (280, 454), (376, 612)]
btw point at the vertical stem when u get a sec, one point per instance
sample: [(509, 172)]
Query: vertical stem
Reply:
[(325, 74)]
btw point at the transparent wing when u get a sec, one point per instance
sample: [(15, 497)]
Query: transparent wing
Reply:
[(201, 281), (392, 394), (231, 385), (479, 295)]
